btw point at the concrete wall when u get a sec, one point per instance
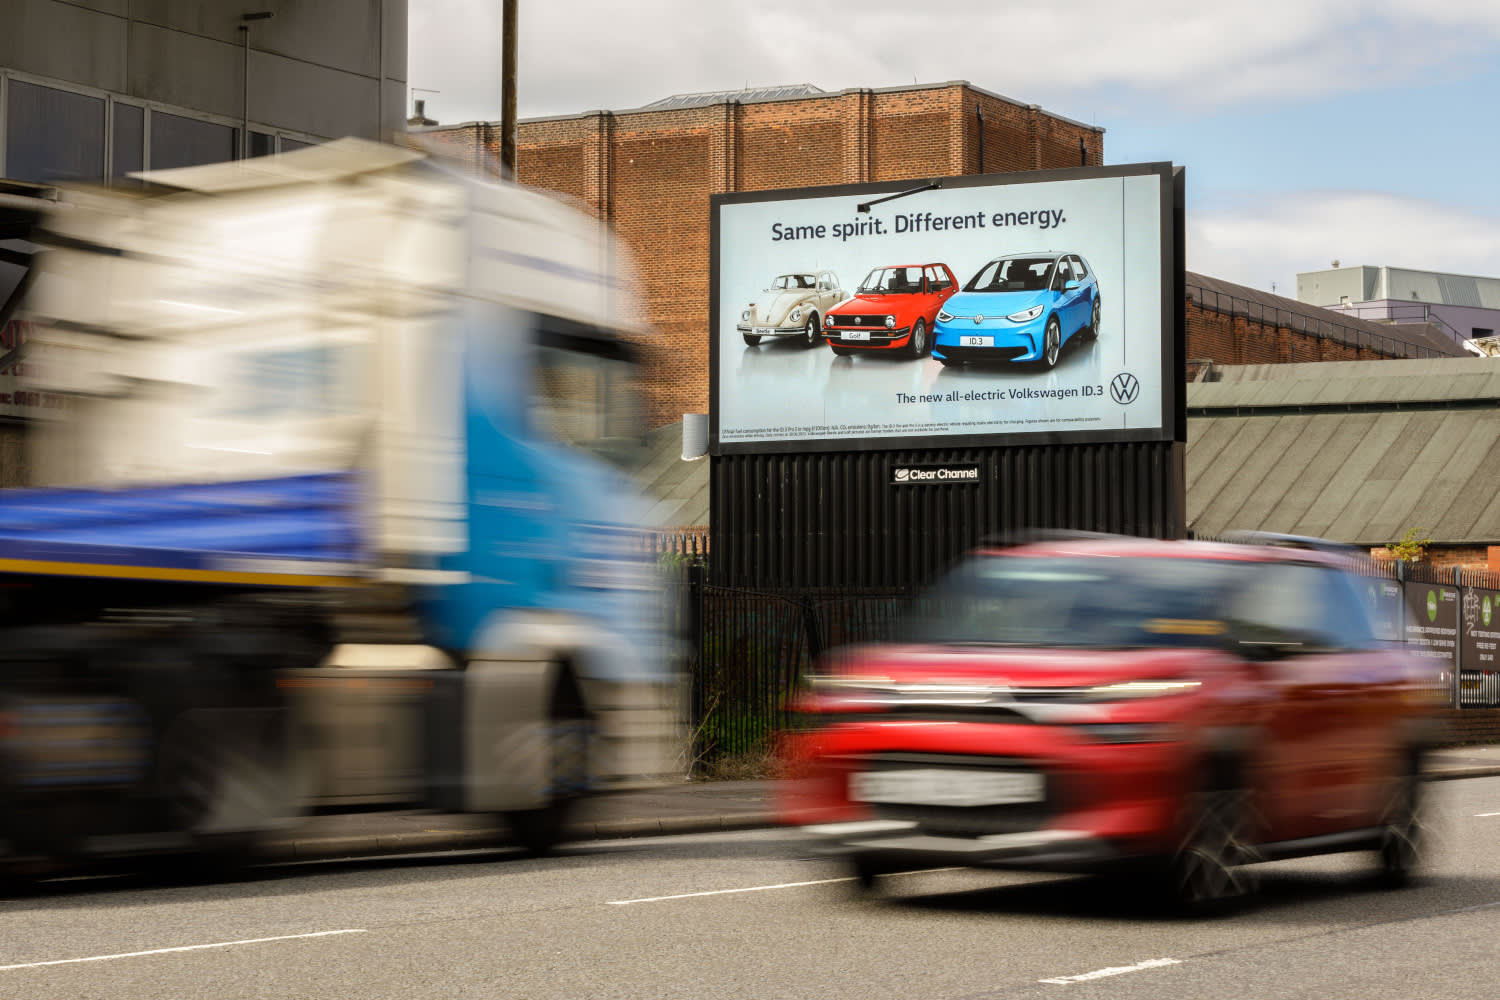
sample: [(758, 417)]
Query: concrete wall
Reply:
[(315, 68)]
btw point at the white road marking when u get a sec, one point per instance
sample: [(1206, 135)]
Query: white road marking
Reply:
[(763, 888), (186, 947), (1117, 970), (1483, 815)]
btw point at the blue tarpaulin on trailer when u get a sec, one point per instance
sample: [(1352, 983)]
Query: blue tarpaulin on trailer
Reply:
[(256, 531)]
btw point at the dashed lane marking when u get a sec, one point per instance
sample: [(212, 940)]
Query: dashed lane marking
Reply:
[(763, 888), (185, 947), (1115, 970)]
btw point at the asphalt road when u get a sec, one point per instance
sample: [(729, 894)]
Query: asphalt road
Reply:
[(749, 915)]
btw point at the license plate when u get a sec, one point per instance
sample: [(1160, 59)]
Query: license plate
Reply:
[(946, 787), (855, 334), (976, 341), (764, 331)]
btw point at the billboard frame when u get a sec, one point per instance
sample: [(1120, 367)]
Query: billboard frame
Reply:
[(1173, 417)]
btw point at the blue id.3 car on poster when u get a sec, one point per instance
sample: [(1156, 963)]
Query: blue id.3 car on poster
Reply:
[(1019, 308)]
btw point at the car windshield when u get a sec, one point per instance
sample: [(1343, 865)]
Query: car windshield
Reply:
[(1084, 601), (892, 281), (793, 281), (1012, 274)]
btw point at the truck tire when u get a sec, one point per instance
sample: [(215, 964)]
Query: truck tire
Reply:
[(569, 737)]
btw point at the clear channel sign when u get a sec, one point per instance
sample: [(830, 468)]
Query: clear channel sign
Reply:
[(1029, 308)]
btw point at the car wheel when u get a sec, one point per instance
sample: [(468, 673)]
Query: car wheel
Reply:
[(1207, 873), (1401, 828), (750, 339), (810, 331), (866, 873), (916, 345), (842, 352), (1092, 330), (950, 362), (1051, 343)]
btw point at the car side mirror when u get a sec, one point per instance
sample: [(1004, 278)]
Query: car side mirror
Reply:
[(1069, 286), (1267, 651)]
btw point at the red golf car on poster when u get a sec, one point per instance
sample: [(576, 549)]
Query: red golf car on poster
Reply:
[(892, 310)]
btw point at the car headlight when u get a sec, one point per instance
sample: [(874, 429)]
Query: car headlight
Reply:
[(795, 316), (944, 315), (1129, 690), (745, 315), (890, 322), (1025, 314)]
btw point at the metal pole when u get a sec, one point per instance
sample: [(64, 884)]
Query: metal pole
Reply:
[(508, 85), (979, 114), (245, 19), (245, 91)]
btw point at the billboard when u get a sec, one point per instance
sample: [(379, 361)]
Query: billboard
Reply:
[(1034, 308)]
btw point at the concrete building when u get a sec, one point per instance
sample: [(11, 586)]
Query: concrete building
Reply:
[(95, 89), (1461, 306)]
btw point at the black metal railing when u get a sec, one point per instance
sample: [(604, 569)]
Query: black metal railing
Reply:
[(747, 652), (1318, 327)]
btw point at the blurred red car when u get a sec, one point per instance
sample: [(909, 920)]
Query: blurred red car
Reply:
[(892, 310), (1177, 708)]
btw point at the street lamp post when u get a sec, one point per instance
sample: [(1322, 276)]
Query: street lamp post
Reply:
[(245, 19)]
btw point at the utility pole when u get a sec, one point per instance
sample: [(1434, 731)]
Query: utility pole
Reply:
[(508, 84)]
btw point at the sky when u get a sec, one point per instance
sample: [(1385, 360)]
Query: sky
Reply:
[(1311, 130)]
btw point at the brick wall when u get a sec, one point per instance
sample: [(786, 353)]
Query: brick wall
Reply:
[(1469, 725), (1227, 339), (651, 173)]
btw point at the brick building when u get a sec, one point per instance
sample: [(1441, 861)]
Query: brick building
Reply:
[(650, 171), (1229, 324)]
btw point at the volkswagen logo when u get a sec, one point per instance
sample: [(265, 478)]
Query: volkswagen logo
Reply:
[(1124, 388), (978, 319)]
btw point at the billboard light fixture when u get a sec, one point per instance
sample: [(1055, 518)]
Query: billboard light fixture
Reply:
[(864, 206)]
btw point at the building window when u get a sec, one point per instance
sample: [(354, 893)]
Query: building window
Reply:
[(188, 142), (287, 145), (262, 144), (129, 153), (1479, 331), (53, 135)]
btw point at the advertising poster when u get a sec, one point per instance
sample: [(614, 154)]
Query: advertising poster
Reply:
[(1432, 622), (1479, 645), (1383, 601), (1027, 308)]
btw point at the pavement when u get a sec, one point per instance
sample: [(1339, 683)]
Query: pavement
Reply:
[(686, 807)]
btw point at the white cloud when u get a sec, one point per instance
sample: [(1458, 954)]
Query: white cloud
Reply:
[(577, 56), (1257, 243)]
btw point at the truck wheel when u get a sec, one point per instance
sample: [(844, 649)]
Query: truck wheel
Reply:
[(225, 777), (569, 738), (1207, 873)]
